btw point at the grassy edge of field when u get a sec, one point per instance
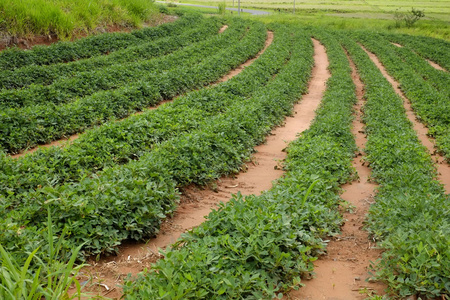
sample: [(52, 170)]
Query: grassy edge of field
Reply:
[(430, 26), (66, 19)]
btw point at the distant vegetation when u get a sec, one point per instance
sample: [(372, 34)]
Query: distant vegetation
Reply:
[(65, 18)]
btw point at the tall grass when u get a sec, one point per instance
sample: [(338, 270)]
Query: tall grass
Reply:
[(222, 8), (67, 17), (50, 279)]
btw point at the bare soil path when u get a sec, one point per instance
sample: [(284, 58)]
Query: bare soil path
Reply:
[(442, 166), (65, 141), (342, 273), (197, 203)]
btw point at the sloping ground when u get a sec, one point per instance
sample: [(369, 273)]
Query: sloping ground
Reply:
[(119, 181)]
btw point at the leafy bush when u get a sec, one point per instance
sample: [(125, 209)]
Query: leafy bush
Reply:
[(409, 18)]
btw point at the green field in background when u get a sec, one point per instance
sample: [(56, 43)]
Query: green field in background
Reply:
[(433, 9)]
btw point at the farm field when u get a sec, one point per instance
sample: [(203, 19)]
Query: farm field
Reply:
[(119, 144), (441, 6)]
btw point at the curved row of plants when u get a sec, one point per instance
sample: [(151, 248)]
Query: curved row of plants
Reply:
[(260, 246), (38, 76), (119, 142), (433, 49), (437, 78), (431, 106), (81, 84), (41, 124), (92, 46), (129, 201), (411, 213)]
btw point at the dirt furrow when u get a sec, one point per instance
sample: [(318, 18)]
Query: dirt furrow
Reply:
[(442, 166), (65, 141), (341, 274), (436, 66), (197, 203)]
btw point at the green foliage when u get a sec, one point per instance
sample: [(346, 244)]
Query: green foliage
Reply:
[(258, 247), (428, 91), (51, 280), (92, 46), (119, 142), (185, 33), (44, 123), (410, 215), (130, 201), (67, 85), (222, 8), (431, 48), (414, 16), (65, 18)]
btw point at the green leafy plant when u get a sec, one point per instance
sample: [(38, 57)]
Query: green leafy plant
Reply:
[(50, 278), (144, 190), (222, 8)]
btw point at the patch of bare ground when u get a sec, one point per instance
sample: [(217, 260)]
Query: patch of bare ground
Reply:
[(27, 42), (223, 28), (443, 168), (397, 45), (436, 66), (198, 202), (341, 274), (65, 141)]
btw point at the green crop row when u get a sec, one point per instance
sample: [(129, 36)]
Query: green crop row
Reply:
[(258, 247), (433, 49), (432, 107), (30, 126), (86, 83), (129, 201), (411, 212), (58, 74), (92, 46), (120, 142), (437, 78)]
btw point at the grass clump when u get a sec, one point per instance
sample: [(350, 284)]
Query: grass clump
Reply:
[(65, 18)]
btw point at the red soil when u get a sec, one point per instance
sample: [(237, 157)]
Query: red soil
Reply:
[(197, 203)]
